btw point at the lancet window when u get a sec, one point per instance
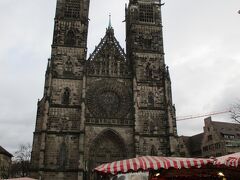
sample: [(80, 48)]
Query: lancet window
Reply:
[(62, 156), (66, 96), (146, 13), (151, 99), (153, 151), (72, 9), (68, 66), (70, 38)]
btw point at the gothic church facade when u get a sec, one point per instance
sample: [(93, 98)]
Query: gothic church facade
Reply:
[(113, 105)]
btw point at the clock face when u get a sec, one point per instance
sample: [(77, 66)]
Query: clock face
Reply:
[(109, 99)]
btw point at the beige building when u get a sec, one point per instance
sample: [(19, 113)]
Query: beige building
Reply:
[(218, 138), (5, 162)]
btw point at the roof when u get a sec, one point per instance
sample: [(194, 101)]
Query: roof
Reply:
[(227, 128), (5, 152), (108, 40), (231, 160), (146, 163)]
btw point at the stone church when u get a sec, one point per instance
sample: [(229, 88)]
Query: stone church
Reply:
[(113, 105)]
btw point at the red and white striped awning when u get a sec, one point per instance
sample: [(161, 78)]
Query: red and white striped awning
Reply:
[(146, 163), (231, 160)]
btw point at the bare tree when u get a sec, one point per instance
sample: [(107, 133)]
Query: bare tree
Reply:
[(21, 161), (235, 112)]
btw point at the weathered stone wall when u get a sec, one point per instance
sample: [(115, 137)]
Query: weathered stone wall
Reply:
[(67, 62), (58, 88), (155, 122), (110, 107), (60, 176), (61, 152)]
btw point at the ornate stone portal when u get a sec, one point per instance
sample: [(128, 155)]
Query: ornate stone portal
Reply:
[(111, 106), (107, 147)]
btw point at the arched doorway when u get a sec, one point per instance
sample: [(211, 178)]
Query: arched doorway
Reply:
[(108, 146)]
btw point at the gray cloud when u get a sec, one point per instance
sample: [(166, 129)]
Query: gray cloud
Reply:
[(201, 44)]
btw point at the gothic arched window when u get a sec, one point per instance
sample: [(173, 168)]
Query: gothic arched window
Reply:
[(148, 70), (62, 156), (70, 38), (68, 66), (66, 96), (153, 151), (151, 99)]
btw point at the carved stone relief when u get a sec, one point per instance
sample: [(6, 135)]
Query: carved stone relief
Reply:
[(151, 97), (152, 122)]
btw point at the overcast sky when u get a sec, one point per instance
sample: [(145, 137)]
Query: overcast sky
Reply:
[(201, 42)]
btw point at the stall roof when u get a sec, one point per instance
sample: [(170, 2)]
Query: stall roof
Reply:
[(146, 163), (230, 160)]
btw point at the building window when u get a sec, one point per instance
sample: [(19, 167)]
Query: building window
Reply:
[(70, 38), (68, 66), (72, 9), (153, 151), (211, 147), (226, 136), (151, 99), (209, 137), (62, 156), (205, 148), (229, 144), (149, 71), (147, 43), (66, 96), (146, 13), (217, 146)]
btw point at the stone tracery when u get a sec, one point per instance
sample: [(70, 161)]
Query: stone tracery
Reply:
[(108, 99)]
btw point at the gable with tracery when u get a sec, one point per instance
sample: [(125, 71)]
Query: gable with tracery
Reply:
[(108, 59)]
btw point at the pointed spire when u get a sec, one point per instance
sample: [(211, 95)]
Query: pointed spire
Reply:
[(110, 30), (110, 21)]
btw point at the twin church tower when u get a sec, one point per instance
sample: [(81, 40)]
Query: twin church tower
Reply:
[(113, 105)]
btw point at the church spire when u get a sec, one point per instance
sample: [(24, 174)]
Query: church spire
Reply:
[(110, 21), (109, 29)]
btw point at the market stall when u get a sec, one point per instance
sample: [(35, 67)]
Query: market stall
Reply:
[(230, 160), (228, 166), (157, 168)]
